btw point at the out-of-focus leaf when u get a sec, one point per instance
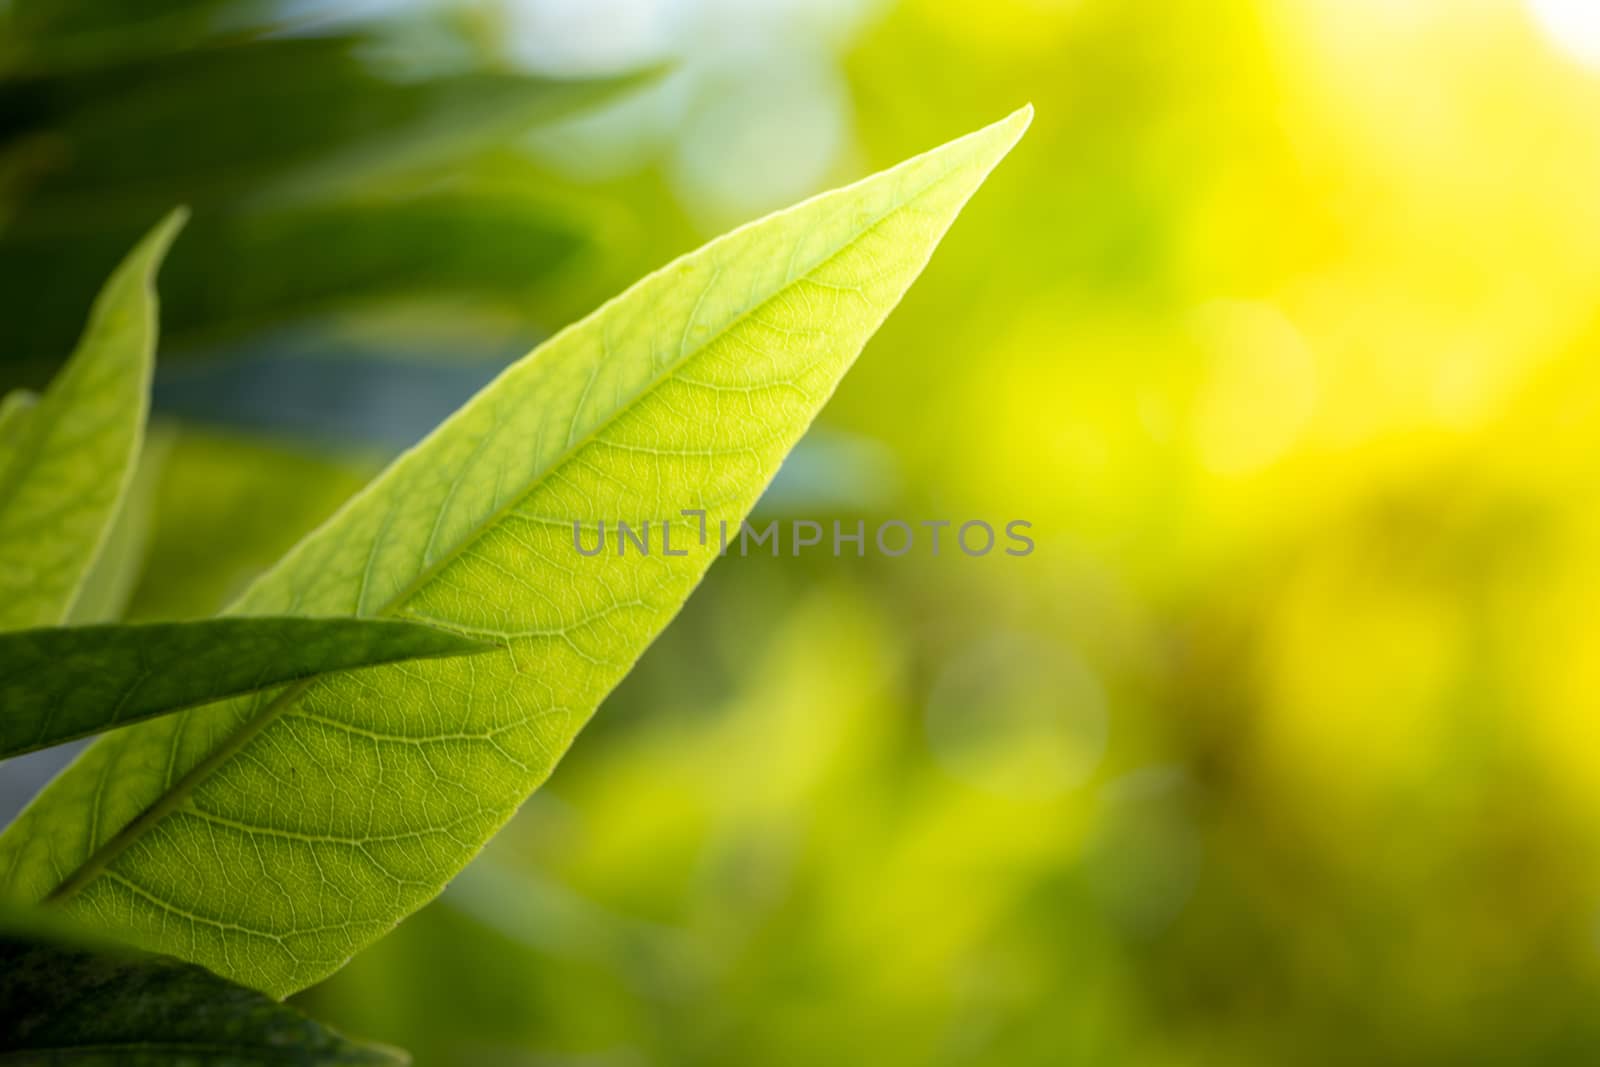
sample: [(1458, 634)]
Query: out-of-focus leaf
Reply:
[(64, 682), (39, 36), (66, 1002), (108, 586), (68, 459), (264, 117), (238, 273), (684, 392), (260, 126), (283, 266), (226, 509), (23, 162), (14, 407)]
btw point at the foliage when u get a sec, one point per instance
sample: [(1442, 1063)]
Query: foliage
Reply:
[(271, 836), (62, 683), (280, 144), (66, 461), (68, 1001), (1281, 331)]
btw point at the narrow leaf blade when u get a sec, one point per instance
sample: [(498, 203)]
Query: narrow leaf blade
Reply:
[(65, 682), (67, 461), (108, 587), (63, 1002), (14, 408), (683, 393)]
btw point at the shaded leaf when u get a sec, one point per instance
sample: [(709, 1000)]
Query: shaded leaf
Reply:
[(66, 1002), (253, 271), (46, 35), (279, 114), (65, 682), (258, 126), (685, 392), (354, 254), (68, 459)]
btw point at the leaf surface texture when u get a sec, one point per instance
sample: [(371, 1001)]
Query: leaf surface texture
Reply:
[(270, 838)]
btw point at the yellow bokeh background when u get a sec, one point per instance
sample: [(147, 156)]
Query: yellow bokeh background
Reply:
[(1281, 329)]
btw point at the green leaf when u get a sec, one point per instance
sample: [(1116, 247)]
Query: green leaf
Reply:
[(227, 508), (43, 35), (65, 1002), (68, 459), (286, 265), (281, 115), (14, 408), (258, 121), (271, 838), (109, 585), (65, 682)]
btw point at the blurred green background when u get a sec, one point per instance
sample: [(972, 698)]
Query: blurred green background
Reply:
[(1280, 327)]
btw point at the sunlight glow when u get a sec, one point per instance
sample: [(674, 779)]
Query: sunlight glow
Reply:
[(1573, 25)]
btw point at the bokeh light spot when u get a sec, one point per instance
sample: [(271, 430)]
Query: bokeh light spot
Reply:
[(1144, 857), (1573, 25), (1262, 391)]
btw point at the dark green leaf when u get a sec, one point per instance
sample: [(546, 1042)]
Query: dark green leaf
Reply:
[(61, 1002), (65, 682), (248, 127), (284, 266), (261, 116)]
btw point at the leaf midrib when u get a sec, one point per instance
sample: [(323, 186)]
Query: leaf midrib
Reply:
[(177, 792)]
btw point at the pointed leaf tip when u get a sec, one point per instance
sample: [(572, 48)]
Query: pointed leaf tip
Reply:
[(159, 240), (67, 464), (1010, 129), (678, 398)]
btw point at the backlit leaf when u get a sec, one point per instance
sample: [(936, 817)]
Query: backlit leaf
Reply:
[(685, 392)]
